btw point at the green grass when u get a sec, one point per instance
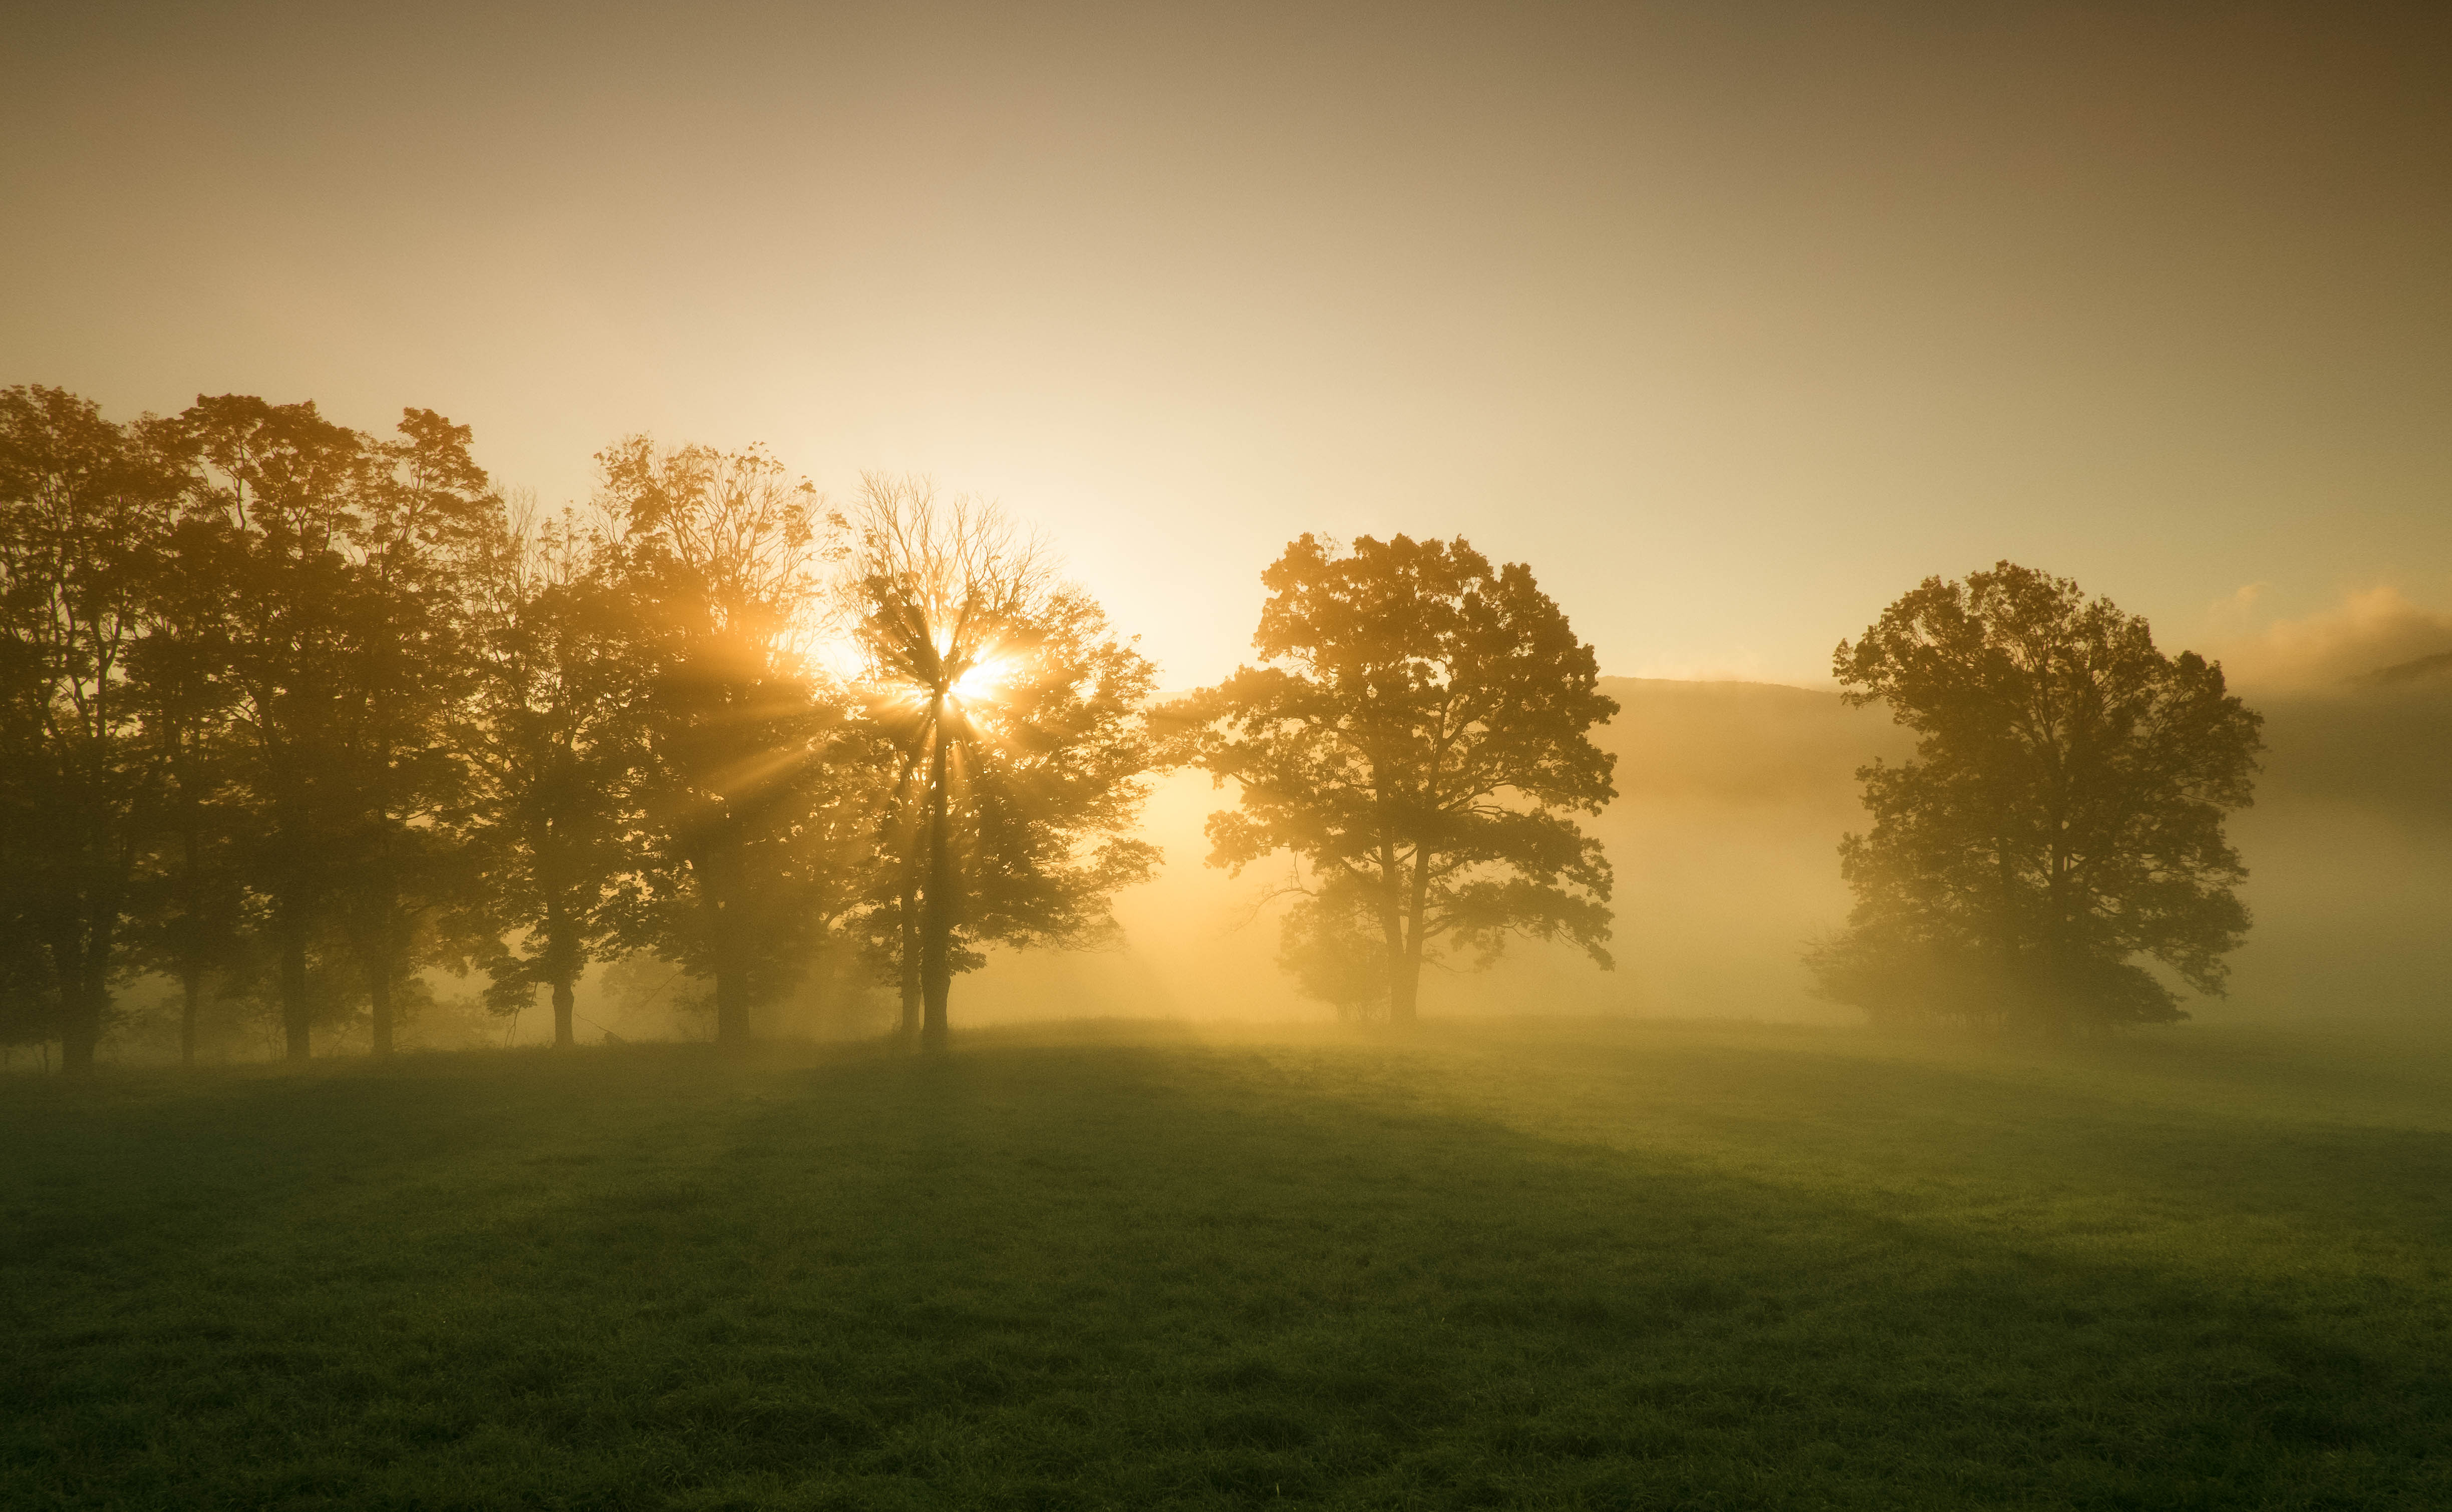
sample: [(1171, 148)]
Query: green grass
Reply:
[(1530, 1266)]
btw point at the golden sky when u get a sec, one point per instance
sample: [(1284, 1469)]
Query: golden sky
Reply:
[(1734, 319)]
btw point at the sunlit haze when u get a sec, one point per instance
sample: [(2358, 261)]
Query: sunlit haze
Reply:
[(1732, 320), (1226, 755)]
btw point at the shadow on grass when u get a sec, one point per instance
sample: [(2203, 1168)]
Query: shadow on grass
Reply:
[(1042, 1274)]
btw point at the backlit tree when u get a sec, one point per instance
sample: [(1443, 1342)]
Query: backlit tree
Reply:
[(1418, 737), (719, 558), (1012, 720), (84, 506), (2063, 815)]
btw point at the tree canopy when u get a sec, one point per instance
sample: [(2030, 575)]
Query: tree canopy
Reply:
[(1017, 723), (1418, 738), (2063, 815), (294, 714), (84, 507)]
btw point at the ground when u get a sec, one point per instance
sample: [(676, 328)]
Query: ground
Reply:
[(1535, 1265)]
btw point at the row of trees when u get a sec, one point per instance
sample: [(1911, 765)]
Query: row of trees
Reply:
[(1418, 738), (290, 709), (301, 713), (295, 711)]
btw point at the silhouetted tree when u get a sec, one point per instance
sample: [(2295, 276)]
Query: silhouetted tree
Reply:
[(84, 507), (426, 521), (1016, 738), (290, 714), (559, 749), (193, 897), (2062, 816), (290, 484), (720, 557), (1420, 742)]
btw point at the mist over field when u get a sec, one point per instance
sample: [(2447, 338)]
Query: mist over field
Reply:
[(1731, 797)]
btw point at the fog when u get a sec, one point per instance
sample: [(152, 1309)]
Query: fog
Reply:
[(1732, 797)]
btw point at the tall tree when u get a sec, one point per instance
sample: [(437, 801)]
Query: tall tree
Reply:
[(194, 903), (2063, 814), (426, 521), (84, 506), (292, 484), (558, 751), (1418, 737), (720, 555), (1014, 718)]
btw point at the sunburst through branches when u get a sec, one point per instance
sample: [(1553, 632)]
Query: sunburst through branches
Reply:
[(1015, 719)]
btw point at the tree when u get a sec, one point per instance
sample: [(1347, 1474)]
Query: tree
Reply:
[(1420, 742), (2063, 814), (84, 506), (558, 753), (427, 519), (290, 483), (719, 555), (192, 893), (1012, 721)]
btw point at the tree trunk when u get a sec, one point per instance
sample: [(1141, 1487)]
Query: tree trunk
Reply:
[(909, 925), (293, 990), (731, 1006), (937, 942), (382, 959), (1404, 986), (85, 996), (191, 991), (564, 961), (81, 1026), (379, 999), (731, 972), (1416, 935), (1391, 934), (191, 974)]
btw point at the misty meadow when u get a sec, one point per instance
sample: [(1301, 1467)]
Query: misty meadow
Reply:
[(1557, 756), (316, 733)]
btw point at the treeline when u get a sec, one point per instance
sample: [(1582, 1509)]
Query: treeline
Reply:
[(295, 713)]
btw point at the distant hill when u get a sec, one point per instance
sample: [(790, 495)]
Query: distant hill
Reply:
[(2382, 741), (2439, 665), (1742, 742)]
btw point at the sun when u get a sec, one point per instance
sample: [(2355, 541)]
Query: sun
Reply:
[(980, 683)]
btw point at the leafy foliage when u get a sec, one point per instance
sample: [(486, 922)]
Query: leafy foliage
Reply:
[(2063, 815), (1014, 719), (555, 753), (1418, 738), (84, 507), (717, 560)]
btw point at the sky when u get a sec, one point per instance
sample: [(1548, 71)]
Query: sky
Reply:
[(1733, 320)]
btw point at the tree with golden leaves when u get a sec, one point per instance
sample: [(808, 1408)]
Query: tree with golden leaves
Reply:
[(1015, 725)]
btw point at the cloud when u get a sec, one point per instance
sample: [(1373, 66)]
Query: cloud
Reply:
[(2375, 629)]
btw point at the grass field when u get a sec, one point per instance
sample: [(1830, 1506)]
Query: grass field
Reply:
[(1569, 1265)]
